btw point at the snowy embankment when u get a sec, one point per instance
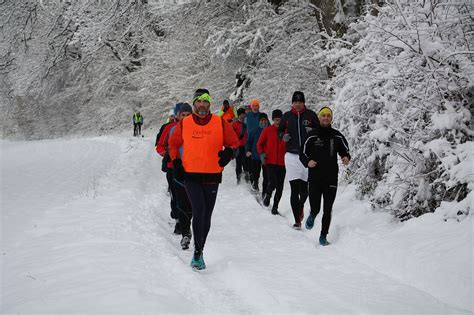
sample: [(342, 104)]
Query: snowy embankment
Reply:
[(86, 228)]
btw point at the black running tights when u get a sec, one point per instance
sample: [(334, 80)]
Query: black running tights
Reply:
[(203, 198), (328, 192)]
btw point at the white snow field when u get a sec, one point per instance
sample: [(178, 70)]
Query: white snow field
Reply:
[(86, 229)]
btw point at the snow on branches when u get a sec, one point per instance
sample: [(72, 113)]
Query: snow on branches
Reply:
[(403, 92), (276, 46)]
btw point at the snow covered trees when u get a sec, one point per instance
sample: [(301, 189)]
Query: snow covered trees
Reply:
[(276, 47), (402, 93), (400, 77), (66, 65), (84, 64)]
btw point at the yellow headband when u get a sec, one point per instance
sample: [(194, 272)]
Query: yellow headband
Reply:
[(325, 110), (203, 97)]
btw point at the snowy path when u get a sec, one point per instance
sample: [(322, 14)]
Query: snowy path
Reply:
[(91, 241)]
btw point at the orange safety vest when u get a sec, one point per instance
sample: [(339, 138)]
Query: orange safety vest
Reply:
[(228, 115), (201, 145)]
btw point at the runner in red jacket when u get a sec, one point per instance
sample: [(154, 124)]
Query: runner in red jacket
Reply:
[(272, 153), (241, 161), (178, 203), (161, 148)]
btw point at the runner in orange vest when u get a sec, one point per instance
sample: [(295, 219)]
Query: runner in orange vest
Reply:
[(208, 144), (227, 112)]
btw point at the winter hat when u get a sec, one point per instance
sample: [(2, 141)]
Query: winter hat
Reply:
[(225, 102), (262, 116), (186, 108), (202, 94), (277, 114), (240, 111), (325, 110), (171, 112), (255, 102), (298, 96), (177, 107)]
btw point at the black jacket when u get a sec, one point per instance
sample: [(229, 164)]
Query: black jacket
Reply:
[(295, 125), (162, 128), (321, 146)]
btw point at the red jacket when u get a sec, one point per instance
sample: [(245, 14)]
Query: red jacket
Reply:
[(274, 147), (162, 146), (237, 125)]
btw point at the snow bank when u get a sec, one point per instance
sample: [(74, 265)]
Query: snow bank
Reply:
[(74, 249), (433, 252)]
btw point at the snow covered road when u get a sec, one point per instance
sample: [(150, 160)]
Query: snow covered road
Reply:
[(86, 229), (37, 176)]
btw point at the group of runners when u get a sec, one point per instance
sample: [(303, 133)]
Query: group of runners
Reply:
[(299, 144)]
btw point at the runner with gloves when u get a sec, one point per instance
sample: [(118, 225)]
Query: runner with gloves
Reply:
[(208, 144)]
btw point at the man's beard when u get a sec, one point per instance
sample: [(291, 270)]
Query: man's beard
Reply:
[(202, 111)]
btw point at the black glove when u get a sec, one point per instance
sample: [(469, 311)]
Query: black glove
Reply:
[(225, 156), (178, 169), (164, 162)]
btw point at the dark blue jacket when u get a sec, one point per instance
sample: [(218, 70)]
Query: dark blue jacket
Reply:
[(251, 145), (252, 121)]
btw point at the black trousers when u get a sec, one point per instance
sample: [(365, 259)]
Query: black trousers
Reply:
[(276, 180), (137, 129), (183, 208), (299, 193), (255, 175), (203, 199), (240, 162), (247, 165), (326, 190), (174, 197)]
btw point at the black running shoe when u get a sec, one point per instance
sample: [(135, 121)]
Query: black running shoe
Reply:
[(255, 186), (247, 177), (185, 242), (266, 200), (177, 228)]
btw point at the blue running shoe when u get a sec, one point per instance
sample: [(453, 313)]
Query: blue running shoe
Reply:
[(198, 264), (323, 241), (309, 222)]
